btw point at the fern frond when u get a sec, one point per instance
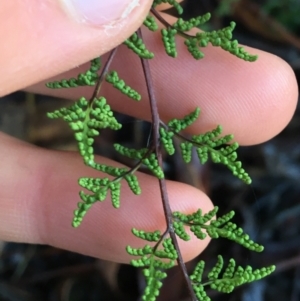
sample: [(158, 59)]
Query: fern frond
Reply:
[(220, 227), (123, 172), (154, 261), (177, 125), (99, 188), (149, 236), (235, 276), (137, 46), (207, 145), (119, 84), (149, 160), (219, 38), (89, 78), (187, 25), (232, 277), (173, 3), (86, 120)]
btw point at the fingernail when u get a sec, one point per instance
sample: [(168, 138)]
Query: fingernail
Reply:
[(99, 12)]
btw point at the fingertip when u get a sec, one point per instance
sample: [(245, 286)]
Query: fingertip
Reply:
[(275, 100), (52, 42)]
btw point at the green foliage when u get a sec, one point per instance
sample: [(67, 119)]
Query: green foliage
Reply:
[(99, 187), (207, 145), (232, 277), (221, 38), (137, 45), (150, 23), (146, 157), (89, 78), (86, 120), (183, 25), (168, 37), (221, 227), (173, 3), (150, 259), (120, 85), (154, 261)]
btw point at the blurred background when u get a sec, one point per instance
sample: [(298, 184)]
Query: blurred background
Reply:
[(269, 210)]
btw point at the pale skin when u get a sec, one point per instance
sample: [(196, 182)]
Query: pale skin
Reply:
[(39, 191)]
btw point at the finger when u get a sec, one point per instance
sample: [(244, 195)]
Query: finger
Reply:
[(45, 38), (38, 194), (253, 101)]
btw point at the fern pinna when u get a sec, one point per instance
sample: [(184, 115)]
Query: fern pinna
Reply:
[(89, 117)]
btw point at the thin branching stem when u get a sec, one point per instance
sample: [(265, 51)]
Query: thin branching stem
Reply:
[(162, 182), (103, 74)]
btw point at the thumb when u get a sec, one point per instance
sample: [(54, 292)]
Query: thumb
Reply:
[(47, 37)]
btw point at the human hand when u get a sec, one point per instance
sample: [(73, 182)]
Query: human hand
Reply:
[(254, 101)]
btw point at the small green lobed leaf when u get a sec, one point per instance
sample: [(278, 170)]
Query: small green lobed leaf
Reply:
[(168, 38), (149, 160), (119, 84), (186, 25), (209, 144), (177, 125), (146, 250), (155, 261), (204, 224), (137, 45), (89, 78), (196, 276), (110, 170), (166, 139), (192, 46), (220, 38), (216, 270), (173, 3), (197, 230), (130, 152), (168, 252), (152, 163), (83, 207), (150, 23), (115, 189), (133, 183), (180, 231), (86, 120), (229, 271), (149, 236), (186, 151), (200, 293), (234, 276)]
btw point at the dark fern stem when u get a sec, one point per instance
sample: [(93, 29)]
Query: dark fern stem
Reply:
[(162, 182)]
